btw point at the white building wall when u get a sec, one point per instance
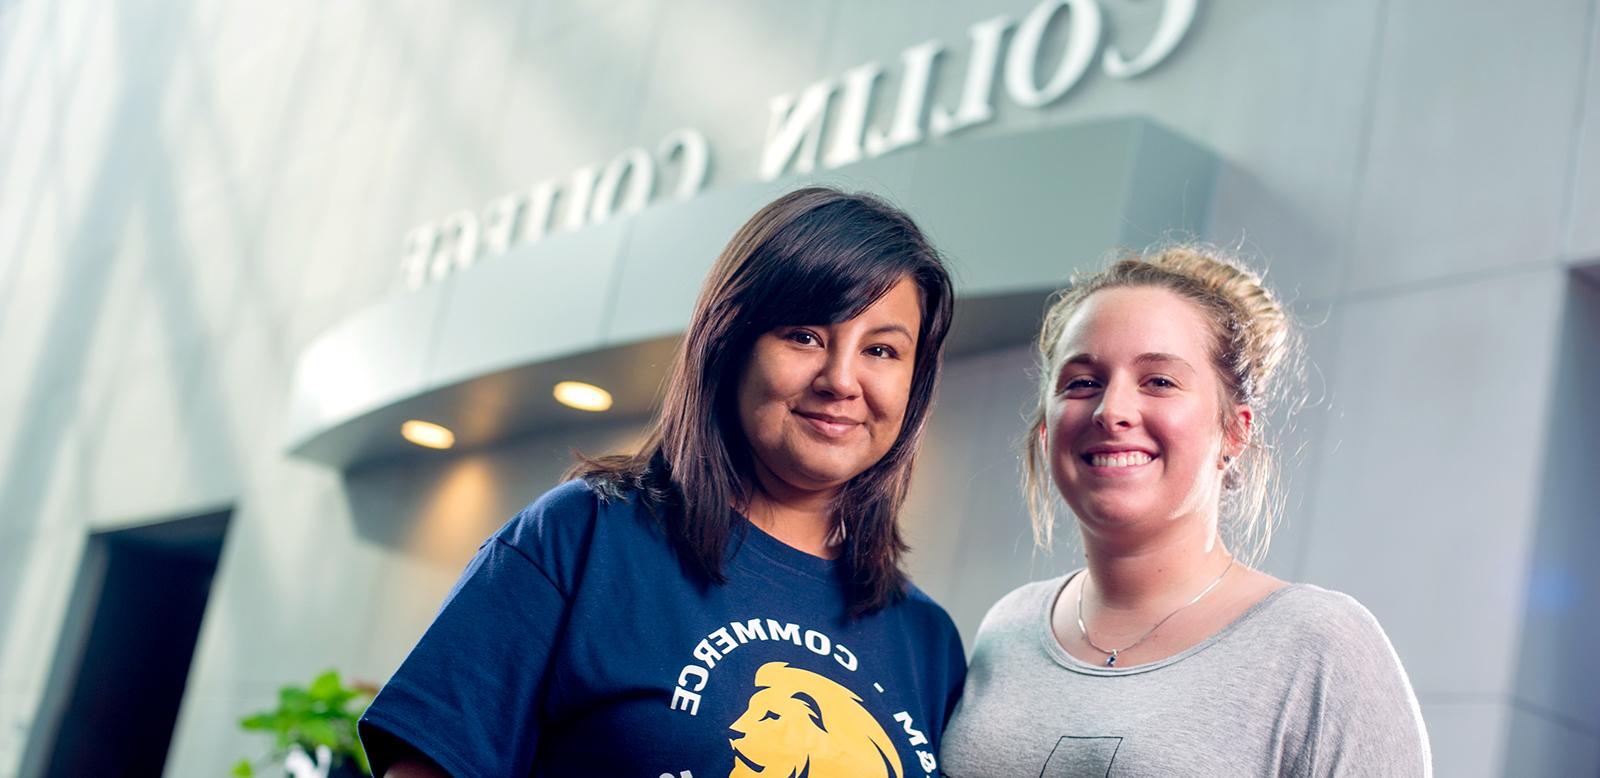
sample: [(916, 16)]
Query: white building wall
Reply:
[(193, 190)]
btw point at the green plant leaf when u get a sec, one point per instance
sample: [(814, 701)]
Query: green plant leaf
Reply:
[(326, 687), (293, 699), (324, 713), (265, 721), (320, 733), (243, 769)]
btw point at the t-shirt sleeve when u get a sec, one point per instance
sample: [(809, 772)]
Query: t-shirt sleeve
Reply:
[(468, 695), (945, 672), (956, 679), (1370, 723)]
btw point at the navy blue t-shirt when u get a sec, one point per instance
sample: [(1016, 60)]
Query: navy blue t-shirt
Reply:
[(575, 645)]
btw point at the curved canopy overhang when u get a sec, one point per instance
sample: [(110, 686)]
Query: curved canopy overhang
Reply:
[(480, 350)]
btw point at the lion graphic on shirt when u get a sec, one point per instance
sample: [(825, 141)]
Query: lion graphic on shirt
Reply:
[(800, 723)]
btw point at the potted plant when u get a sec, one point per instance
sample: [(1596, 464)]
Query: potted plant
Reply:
[(313, 729)]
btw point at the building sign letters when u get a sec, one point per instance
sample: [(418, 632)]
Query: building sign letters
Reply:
[(822, 126)]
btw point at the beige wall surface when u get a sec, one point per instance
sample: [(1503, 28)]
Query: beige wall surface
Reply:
[(190, 192)]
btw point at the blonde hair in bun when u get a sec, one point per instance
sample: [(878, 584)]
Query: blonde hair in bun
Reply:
[(1256, 352)]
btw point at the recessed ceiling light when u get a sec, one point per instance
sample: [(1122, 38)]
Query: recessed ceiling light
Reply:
[(584, 397), (427, 434)]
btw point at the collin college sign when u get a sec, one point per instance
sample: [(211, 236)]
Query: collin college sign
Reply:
[(823, 125)]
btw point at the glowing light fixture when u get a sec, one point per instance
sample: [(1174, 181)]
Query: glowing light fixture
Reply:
[(427, 434), (584, 397)]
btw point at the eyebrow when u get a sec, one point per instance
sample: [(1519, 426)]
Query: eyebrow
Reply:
[(887, 328), (1149, 357)]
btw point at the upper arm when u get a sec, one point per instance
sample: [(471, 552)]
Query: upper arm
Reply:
[(1371, 723), (469, 695), (956, 682)]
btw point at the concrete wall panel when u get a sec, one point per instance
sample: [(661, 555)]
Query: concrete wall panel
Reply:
[(1467, 163), (966, 519), (1561, 595), (44, 569), (1540, 744), (1418, 511), (577, 87), (1468, 737), (756, 51)]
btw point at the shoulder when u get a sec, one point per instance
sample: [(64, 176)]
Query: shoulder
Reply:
[(561, 530), (1021, 607), (572, 507), (1368, 719), (1008, 638), (918, 617), (1332, 621), (568, 498), (1331, 631), (926, 615), (1014, 620), (943, 658)]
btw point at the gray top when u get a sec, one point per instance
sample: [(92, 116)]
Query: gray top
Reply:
[(1305, 683)]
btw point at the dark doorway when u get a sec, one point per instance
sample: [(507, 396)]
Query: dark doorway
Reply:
[(124, 654)]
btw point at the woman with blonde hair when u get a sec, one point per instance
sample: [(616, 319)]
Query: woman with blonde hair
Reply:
[(1167, 654)]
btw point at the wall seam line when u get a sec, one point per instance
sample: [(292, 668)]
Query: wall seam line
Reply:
[(1580, 129), (1364, 152)]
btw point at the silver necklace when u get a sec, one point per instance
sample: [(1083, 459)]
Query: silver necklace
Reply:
[(1111, 653)]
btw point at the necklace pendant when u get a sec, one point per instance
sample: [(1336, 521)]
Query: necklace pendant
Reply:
[(1111, 660)]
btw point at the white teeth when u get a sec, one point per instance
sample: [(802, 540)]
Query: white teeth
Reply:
[(1120, 459)]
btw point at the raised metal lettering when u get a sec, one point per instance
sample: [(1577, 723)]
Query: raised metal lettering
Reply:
[(1083, 40)]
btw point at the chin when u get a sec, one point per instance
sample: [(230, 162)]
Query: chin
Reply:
[(1114, 511), (829, 470), (824, 478)]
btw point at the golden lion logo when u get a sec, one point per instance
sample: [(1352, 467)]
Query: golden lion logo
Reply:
[(800, 723)]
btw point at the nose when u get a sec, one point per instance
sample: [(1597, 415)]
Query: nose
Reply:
[(838, 377), (1116, 409)]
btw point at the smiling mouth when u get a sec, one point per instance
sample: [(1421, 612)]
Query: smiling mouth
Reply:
[(1118, 459), (831, 427)]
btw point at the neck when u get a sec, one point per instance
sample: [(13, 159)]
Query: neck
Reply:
[(801, 519), (1153, 572)]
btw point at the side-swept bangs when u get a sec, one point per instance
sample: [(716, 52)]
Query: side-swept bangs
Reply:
[(813, 256)]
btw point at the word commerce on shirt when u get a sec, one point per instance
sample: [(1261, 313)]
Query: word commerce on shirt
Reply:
[(825, 124), (783, 681), (722, 642)]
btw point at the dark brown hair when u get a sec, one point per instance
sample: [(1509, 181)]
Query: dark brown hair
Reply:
[(813, 256)]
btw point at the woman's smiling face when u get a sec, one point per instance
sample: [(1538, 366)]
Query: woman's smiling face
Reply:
[(1134, 423), (819, 404)]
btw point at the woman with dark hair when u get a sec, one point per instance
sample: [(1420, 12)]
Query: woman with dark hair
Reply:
[(729, 599)]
